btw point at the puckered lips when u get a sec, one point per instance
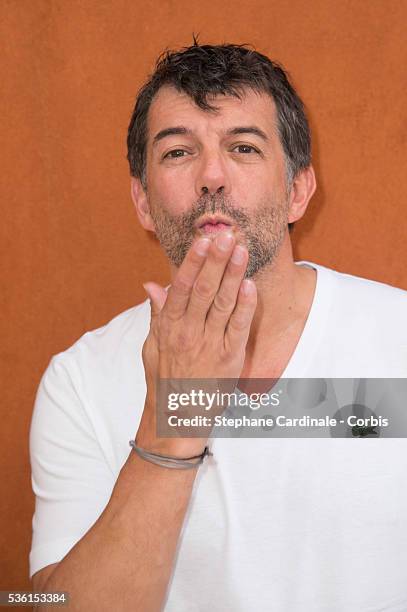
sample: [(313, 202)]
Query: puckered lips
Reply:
[(213, 224)]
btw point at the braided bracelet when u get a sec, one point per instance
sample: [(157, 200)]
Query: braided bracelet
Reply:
[(171, 462)]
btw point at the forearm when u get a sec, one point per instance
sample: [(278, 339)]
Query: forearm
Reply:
[(124, 562)]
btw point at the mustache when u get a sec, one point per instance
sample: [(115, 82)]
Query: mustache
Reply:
[(212, 204)]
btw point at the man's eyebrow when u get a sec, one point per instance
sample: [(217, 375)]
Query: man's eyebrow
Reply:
[(249, 129), (180, 129)]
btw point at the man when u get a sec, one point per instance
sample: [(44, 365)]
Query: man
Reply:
[(219, 152)]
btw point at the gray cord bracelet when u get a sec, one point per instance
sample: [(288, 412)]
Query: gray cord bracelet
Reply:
[(171, 462)]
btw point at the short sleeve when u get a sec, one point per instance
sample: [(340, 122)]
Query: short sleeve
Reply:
[(71, 479)]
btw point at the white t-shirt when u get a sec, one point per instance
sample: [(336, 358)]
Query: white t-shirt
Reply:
[(281, 525)]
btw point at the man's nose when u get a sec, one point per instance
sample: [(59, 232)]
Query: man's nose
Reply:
[(212, 176)]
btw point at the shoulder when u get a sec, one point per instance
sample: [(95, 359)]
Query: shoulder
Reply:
[(130, 326), (369, 287), (355, 292), (85, 384), (368, 298), (365, 316), (362, 324), (100, 351)]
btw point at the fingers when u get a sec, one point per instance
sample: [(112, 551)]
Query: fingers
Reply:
[(209, 279), (180, 291), (208, 290), (238, 328), (225, 299)]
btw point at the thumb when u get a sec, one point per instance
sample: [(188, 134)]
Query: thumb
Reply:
[(157, 296)]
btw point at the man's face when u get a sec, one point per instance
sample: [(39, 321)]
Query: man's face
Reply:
[(217, 170)]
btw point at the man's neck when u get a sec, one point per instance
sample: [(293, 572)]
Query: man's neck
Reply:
[(285, 294)]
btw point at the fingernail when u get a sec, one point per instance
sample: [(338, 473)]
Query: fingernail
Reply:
[(238, 254), (224, 241), (202, 246)]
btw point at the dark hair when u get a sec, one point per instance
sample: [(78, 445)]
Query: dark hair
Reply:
[(203, 70)]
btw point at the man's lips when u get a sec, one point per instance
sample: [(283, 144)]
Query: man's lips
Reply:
[(213, 224), (213, 228)]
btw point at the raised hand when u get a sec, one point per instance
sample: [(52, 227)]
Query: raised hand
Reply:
[(200, 327)]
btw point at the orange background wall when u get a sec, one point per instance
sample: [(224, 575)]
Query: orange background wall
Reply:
[(73, 255)]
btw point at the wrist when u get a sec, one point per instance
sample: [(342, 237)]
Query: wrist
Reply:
[(179, 448), (169, 461), (176, 446)]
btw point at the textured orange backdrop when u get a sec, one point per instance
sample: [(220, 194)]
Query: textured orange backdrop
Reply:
[(73, 255)]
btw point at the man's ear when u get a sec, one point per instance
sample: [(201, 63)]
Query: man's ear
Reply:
[(139, 197), (302, 190)]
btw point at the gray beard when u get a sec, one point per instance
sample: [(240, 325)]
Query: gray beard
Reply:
[(262, 232)]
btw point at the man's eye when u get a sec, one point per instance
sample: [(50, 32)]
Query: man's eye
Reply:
[(171, 154), (243, 146)]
